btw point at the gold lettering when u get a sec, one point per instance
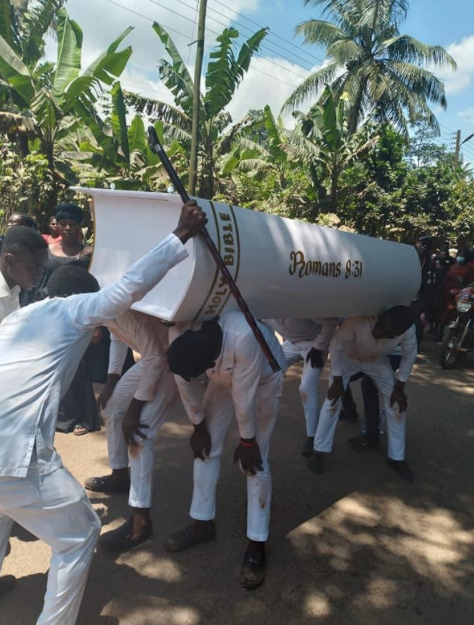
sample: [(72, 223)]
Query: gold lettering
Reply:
[(325, 271), (229, 259), (228, 239), (224, 216)]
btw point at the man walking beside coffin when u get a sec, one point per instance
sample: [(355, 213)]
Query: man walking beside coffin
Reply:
[(307, 340), (362, 345), (134, 408), (241, 382), (36, 490)]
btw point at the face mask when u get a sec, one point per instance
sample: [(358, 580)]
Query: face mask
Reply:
[(461, 260)]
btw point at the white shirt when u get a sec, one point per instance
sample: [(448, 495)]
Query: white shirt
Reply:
[(9, 298), (147, 336), (354, 340), (240, 367), (41, 347), (317, 331)]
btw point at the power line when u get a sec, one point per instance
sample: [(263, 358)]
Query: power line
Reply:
[(260, 26), (251, 30), (207, 47), (163, 6)]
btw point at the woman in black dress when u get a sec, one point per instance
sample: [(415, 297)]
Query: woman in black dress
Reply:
[(78, 410)]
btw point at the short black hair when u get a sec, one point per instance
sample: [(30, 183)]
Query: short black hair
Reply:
[(69, 211), (402, 317), (71, 280), (22, 239), (27, 220)]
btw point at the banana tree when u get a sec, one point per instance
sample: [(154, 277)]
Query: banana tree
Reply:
[(225, 72), (60, 97), (324, 143), (263, 157)]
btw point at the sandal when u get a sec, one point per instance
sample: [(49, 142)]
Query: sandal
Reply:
[(80, 430)]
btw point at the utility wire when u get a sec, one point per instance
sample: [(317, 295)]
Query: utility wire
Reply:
[(252, 31), (260, 26), (207, 47), (217, 34)]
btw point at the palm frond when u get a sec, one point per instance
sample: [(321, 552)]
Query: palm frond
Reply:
[(409, 49), (310, 86)]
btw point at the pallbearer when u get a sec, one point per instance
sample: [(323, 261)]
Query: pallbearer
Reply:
[(362, 344), (241, 383), (134, 408), (36, 490), (307, 340)]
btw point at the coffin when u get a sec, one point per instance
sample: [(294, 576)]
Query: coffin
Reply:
[(284, 268)]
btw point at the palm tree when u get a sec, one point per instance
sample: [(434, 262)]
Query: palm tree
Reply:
[(383, 71)]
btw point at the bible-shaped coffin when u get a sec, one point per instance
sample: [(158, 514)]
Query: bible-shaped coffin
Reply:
[(284, 268)]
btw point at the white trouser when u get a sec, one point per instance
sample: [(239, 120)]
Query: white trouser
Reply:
[(55, 509), (384, 379), (219, 410), (294, 352), (142, 460)]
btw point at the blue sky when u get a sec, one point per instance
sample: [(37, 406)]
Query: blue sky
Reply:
[(280, 66)]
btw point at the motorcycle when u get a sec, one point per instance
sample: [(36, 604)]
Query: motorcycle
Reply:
[(458, 337)]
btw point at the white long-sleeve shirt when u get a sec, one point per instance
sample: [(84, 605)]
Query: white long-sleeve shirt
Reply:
[(317, 331), (36, 370), (354, 340), (9, 298), (240, 367), (147, 336)]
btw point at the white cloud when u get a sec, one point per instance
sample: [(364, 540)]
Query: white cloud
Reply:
[(266, 83), (467, 115), (463, 54), (103, 20)]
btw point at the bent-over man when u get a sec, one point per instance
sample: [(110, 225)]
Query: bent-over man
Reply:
[(134, 408), (241, 383), (307, 340), (362, 345)]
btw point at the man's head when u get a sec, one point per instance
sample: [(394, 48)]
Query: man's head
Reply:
[(424, 246), (394, 322), (24, 257), (195, 351), (71, 280), (20, 219)]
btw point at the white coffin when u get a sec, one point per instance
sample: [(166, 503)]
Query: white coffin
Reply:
[(284, 268)]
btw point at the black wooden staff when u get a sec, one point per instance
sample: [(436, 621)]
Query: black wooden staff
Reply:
[(157, 148)]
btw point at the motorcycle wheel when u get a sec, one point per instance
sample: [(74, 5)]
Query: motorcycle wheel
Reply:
[(449, 349)]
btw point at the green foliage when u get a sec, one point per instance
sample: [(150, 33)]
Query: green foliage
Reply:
[(25, 184)]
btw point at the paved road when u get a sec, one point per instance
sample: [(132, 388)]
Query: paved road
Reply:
[(355, 546)]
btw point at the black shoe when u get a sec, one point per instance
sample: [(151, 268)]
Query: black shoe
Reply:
[(307, 450), (106, 484), (7, 583), (316, 463), (253, 569), (351, 415), (188, 537), (121, 538), (402, 469), (361, 443)]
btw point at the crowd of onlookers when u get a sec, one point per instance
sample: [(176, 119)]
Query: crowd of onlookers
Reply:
[(65, 240), (445, 271)]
